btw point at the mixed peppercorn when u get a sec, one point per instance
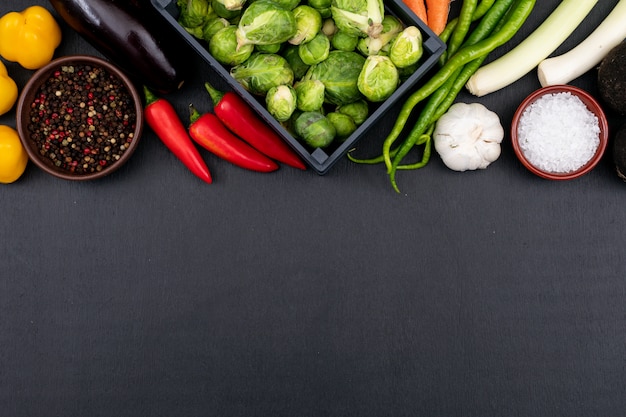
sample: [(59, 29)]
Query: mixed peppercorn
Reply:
[(82, 118)]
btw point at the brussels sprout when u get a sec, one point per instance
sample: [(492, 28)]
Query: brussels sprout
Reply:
[(329, 28), (231, 4), (308, 24), (373, 45), (281, 102), (264, 23), (195, 32), (406, 72), (289, 125), (358, 111), (316, 50), (287, 4), (273, 48), (361, 17), (314, 129), (392, 25), (378, 79), (325, 13), (339, 73), (320, 4), (406, 48), (222, 11), (295, 62), (344, 41), (213, 26), (344, 125), (224, 48), (193, 13), (261, 72), (310, 94)]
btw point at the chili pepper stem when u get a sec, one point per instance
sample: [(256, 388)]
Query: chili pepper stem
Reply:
[(149, 96), (216, 95), (194, 114), (374, 160)]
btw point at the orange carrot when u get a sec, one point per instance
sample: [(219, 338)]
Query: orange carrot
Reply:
[(437, 11), (419, 8)]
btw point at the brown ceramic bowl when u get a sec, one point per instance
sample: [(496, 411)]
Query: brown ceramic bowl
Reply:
[(591, 105), (77, 132)]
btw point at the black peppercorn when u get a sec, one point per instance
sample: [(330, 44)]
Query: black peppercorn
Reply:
[(82, 118)]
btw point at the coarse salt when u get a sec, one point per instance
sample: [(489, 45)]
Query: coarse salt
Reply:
[(557, 133)]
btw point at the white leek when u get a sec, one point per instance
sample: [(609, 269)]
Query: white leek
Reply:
[(564, 68), (535, 48)]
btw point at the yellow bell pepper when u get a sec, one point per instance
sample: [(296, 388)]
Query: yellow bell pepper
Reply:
[(8, 90), (13, 156), (29, 37)]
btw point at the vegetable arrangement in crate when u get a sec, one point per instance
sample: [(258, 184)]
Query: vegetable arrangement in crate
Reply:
[(319, 72)]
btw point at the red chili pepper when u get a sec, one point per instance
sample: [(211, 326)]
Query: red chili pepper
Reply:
[(235, 113), (162, 118), (210, 133)]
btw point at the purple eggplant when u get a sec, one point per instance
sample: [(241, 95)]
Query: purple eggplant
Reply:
[(132, 35)]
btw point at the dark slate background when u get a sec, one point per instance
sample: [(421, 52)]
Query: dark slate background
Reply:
[(150, 293)]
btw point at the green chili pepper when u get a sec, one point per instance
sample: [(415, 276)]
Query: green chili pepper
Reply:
[(426, 140), (449, 90), (451, 70), (481, 9), (459, 33), (491, 21), (489, 12), (424, 121), (447, 31), (371, 161)]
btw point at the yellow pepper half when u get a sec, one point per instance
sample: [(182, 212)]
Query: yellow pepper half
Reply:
[(13, 156), (29, 37), (8, 90)]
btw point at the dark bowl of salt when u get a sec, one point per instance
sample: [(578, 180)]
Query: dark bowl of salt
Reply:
[(79, 118), (559, 132)]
